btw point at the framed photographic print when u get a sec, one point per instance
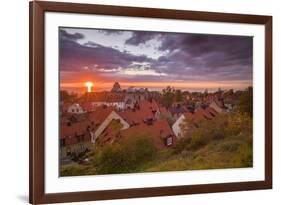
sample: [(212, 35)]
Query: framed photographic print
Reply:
[(139, 102)]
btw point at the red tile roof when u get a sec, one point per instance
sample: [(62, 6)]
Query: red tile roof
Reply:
[(74, 128), (145, 104), (139, 115), (100, 114), (69, 133), (212, 111), (188, 115), (105, 97), (87, 106), (164, 111), (201, 114), (159, 130)]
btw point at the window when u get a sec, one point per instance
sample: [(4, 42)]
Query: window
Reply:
[(169, 141)]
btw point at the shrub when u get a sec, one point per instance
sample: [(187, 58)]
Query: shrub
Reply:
[(245, 102), (124, 156), (244, 156), (229, 146), (76, 170), (208, 131), (181, 144), (224, 125)]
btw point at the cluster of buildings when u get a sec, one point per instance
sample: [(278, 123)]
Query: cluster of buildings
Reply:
[(102, 118)]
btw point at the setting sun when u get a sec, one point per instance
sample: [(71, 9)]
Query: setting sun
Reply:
[(89, 86)]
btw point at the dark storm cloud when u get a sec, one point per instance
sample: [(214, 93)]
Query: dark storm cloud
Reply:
[(73, 37), (191, 56), (110, 32), (184, 56), (75, 56), (207, 56), (140, 37)]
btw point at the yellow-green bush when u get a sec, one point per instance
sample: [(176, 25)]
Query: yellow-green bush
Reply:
[(124, 156), (76, 170)]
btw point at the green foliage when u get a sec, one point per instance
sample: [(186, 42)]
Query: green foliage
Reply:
[(76, 170), (124, 156), (194, 138), (168, 96), (224, 125), (181, 144), (178, 96), (230, 152), (245, 103), (224, 142)]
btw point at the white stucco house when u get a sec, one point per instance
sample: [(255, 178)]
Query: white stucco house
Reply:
[(217, 107), (178, 125), (118, 104), (112, 116), (75, 109)]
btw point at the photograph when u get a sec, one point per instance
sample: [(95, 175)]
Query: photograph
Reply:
[(149, 101)]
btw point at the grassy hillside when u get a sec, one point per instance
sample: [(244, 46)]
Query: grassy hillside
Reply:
[(232, 152), (225, 142)]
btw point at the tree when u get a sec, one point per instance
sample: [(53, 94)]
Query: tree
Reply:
[(168, 96), (124, 156), (245, 103), (221, 127), (178, 96)]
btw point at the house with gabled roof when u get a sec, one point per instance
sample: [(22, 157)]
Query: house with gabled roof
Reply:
[(177, 126), (75, 137), (159, 131), (113, 116), (141, 117), (199, 115), (100, 114), (144, 110), (75, 132), (218, 106), (75, 108), (98, 99)]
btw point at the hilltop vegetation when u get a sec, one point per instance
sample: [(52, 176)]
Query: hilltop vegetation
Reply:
[(226, 145), (225, 142)]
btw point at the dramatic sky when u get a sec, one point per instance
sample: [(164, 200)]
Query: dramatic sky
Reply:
[(154, 59)]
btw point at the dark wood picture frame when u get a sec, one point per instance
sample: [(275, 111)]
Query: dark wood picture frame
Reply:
[(37, 96)]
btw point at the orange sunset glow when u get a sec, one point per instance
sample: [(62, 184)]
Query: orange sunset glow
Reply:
[(89, 86), (99, 86)]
